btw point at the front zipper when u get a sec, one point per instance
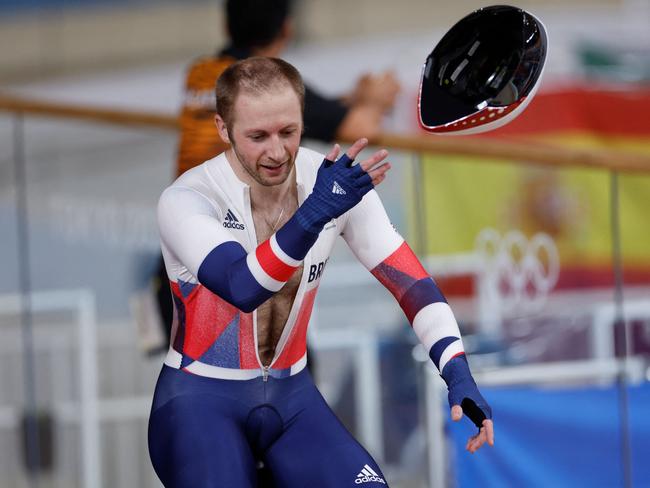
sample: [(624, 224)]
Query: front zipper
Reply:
[(252, 236)]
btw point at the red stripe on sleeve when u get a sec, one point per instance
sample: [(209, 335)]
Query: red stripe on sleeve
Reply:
[(399, 271), (271, 264), (405, 260)]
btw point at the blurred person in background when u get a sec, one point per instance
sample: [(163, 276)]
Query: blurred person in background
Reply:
[(264, 28), (246, 237)]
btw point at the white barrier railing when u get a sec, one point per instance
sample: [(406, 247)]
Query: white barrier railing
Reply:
[(604, 318), (82, 303)]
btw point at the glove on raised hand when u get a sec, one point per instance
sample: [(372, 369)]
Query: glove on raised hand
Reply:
[(339, 187), (464, 392)]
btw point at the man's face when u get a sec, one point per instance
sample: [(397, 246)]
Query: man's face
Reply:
[(265, 133)]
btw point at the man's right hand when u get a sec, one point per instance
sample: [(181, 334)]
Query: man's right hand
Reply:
[(340, 185), (371, 165)]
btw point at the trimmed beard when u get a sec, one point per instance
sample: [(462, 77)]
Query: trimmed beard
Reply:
[(255, 175)]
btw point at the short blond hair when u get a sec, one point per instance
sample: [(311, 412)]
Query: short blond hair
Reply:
[(255, 75)]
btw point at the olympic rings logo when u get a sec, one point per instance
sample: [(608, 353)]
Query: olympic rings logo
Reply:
[(517, 273)]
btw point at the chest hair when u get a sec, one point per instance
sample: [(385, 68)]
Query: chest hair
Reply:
[(272, 315)]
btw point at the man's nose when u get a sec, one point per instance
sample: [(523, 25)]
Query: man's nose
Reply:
[(276, 150)]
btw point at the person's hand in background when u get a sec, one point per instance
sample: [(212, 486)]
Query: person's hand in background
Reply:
[(376, 89), (372, 97)]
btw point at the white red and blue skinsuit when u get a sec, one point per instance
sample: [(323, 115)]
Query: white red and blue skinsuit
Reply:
[(217, 409)]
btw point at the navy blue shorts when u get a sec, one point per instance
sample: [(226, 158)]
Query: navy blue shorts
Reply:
[(206, 432)]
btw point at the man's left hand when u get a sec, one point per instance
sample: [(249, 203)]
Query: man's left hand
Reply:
[(465, 398), (485, 433)]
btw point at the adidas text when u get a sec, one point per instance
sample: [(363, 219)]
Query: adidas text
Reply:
[(368, 475), (231, 221), (368, 479), (233, 225)]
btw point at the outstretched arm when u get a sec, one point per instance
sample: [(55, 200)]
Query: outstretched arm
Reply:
[(384, 252)]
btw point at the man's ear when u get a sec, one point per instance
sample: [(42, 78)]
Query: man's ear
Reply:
[(221, 127)]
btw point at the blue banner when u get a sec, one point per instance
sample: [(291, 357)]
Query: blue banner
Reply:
[(556, 438)]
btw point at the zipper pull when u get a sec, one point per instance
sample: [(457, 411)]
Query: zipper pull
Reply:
[(265, 373)]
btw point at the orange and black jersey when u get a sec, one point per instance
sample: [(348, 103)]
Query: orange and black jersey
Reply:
[(199, 139)]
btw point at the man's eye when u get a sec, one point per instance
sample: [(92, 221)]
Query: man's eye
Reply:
[(257, 137), (288, 133)]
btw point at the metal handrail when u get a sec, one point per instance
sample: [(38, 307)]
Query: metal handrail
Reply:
[(531, 152)]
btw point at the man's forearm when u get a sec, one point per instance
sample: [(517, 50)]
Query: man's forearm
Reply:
[(246, 280)]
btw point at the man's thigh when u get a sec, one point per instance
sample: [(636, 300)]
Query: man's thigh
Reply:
[(316, 450), (192, 443)]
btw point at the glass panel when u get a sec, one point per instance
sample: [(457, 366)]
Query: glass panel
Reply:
[(522, 252), (532, 284), (92, 250)]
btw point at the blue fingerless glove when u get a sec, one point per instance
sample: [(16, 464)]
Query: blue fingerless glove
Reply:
[(464, 392), (339, 187)]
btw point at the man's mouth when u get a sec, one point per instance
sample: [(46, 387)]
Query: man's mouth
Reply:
[(272, 167)]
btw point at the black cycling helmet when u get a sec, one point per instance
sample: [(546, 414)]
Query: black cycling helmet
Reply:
[(483, 72)]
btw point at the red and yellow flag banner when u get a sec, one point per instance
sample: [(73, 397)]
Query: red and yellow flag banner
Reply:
[(572, 205)]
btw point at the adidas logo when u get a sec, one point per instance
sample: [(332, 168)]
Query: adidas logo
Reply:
[(337, 189), (231, 222), (367, 475)]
